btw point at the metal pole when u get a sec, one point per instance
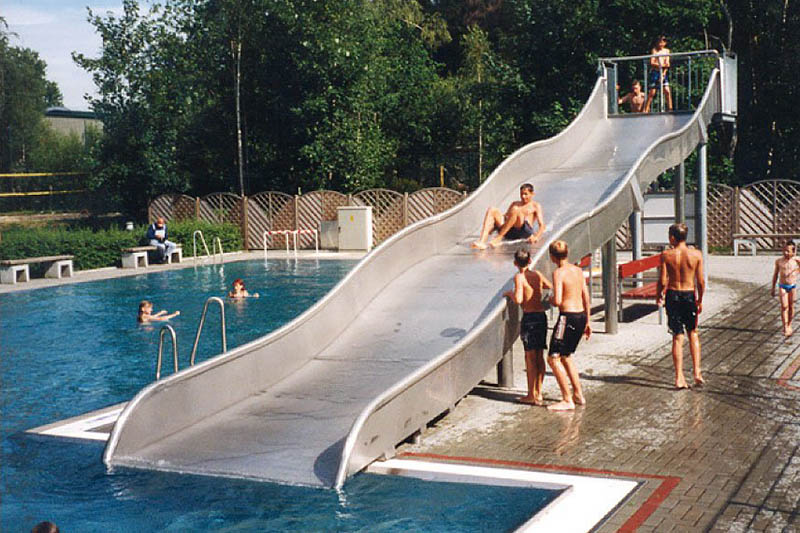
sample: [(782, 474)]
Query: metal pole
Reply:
[(635, 223), (701, 206), (610, 285), (680, 194)]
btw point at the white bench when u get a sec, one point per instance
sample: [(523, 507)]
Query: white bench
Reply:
[(18, 270), (744, 242), (136, 257)]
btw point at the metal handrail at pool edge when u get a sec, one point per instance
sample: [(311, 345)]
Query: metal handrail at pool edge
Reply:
[(167, 328), (219, 301)]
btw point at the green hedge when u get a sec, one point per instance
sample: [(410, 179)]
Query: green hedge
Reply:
[(96, 249)]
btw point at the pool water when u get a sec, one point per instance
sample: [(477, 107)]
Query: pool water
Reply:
[(74, 348)]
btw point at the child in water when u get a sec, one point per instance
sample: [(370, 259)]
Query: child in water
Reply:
[(239, 291), (786, 274), (146, 313)]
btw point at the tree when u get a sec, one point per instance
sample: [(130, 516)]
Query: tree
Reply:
[(25, 94)]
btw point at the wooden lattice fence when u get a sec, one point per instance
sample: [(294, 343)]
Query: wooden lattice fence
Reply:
[(272, 210), (721, 217)]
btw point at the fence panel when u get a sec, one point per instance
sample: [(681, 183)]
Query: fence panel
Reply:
[(268, 211), (428, 202), (720, 215), (172, 207), (787, 208), (221, 207), (755, 211), (387, 212), (314, 207)]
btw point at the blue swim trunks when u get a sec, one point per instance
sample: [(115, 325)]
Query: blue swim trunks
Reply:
[(652, 80), (522, 232), (787, 288)]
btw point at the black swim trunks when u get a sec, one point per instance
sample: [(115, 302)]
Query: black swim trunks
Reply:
[(681, 311), (567, 333), (533, 331), (522, 232)]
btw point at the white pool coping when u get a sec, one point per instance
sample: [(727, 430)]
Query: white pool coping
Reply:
[(583, 505), (88, 426)]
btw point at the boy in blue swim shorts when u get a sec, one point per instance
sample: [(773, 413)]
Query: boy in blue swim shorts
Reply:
[(658, 77), (528, 288), (786, 274)]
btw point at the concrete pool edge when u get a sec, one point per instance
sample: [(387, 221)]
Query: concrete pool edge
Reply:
[(585, 503), (84, 276)]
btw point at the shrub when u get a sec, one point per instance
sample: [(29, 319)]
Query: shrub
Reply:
[(96, 249)]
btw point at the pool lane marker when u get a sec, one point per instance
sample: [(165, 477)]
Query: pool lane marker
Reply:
[(95, 425), (583, 504), (667, 485)]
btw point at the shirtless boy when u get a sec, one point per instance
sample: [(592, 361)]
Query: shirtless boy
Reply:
[(658, 78), (785, 274), (635, 99), (528, 288), (682, 277), (572, 299), (517, 223)]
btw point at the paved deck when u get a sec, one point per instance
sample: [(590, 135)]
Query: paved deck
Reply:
[(724, 457)]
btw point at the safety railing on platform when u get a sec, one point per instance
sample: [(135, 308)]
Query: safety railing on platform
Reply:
[(666, 82)]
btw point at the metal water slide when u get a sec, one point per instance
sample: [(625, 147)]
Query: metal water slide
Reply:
[(410, 330)]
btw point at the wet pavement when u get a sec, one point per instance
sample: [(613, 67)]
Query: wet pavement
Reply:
[(721, 457)]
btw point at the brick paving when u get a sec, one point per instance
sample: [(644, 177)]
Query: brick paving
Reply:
[(723, 457)]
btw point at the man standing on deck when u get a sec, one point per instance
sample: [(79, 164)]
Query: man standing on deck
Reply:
[(682, 277)]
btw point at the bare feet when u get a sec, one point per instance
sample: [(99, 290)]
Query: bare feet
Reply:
[(681, 384), (494, 243), (787, 331), (699, 381), (563, 405), (580, 400), (478, 245), (530, 400)]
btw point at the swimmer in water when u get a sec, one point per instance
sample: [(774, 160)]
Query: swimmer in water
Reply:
[(146, 313), (785, 274), (239, 291)]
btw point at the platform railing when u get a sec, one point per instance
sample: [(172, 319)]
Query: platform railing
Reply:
[(677, 87)]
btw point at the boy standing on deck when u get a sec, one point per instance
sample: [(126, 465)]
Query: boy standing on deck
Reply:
[(682, 277), (528, 288), (785, 274), (572, 299)]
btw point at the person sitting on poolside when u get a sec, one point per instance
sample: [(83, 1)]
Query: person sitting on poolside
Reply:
[(239, 291), (516, 223), (146, 313)]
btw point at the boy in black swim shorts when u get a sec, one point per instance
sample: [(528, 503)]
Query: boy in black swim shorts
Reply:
[(528, 288), (572, 299), (682, 277)]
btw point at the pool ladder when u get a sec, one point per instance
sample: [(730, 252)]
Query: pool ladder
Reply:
[(216, 242), (169, 329)]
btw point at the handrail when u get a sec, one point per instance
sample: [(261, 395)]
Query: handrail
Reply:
[(164, 329), (202, 321), (214, 243), (270, 233), (714, 53), (194, 244)]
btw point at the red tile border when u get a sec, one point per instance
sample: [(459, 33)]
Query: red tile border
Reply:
[(788, 373), (668, 483)]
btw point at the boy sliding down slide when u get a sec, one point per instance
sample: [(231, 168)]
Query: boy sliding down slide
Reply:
[(517, 223)]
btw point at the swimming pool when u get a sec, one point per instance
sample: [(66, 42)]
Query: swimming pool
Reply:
[(74, 348)]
